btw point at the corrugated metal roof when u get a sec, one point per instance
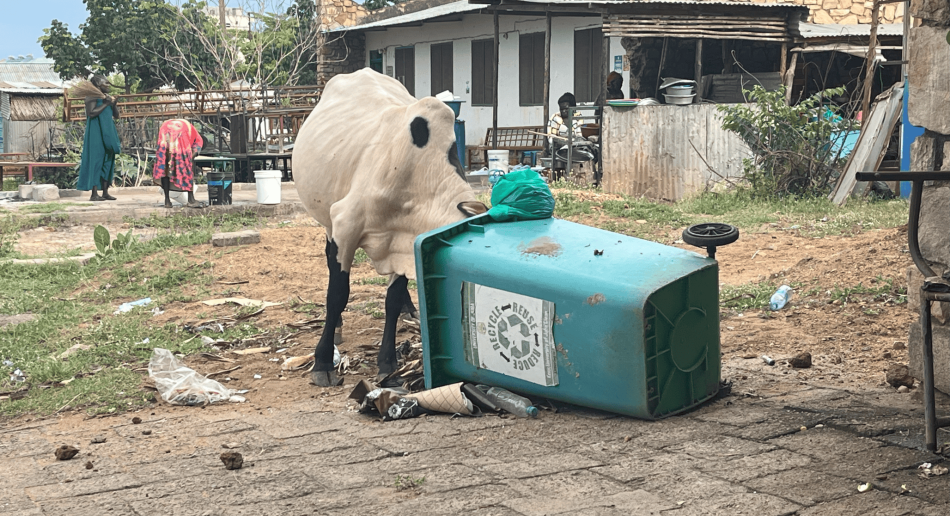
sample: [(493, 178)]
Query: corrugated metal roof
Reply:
[(30, 74), (837, 30), (464, 6)]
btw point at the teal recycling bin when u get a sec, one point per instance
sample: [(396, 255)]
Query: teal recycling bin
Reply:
[(558, 310)]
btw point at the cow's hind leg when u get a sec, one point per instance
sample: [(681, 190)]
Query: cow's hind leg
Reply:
[(338, 292), (396, 298)]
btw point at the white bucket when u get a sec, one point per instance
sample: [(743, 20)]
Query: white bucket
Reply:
[(268, 186), (498, 160)]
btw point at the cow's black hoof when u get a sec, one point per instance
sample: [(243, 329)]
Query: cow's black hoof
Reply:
[(325, 379)]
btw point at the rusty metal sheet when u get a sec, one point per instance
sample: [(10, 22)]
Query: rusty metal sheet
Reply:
[(668, 152)]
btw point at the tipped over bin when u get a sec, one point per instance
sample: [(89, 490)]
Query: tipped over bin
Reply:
[(558, 310)]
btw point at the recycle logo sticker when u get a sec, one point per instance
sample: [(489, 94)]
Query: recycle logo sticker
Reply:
[(509, 333)]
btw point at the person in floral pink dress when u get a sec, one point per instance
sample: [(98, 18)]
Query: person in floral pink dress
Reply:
[(178, 144)]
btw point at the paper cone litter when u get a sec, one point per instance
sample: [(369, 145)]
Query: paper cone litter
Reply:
[(448, 399)]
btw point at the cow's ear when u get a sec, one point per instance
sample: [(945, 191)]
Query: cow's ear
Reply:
[(472, 208), (419, 128)]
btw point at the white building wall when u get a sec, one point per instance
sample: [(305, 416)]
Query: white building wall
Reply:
[(472, 27)]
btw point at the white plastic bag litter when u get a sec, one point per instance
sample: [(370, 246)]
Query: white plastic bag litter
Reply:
[(180, 385)]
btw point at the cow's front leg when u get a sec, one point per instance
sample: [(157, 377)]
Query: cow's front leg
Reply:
[(338, 292), (395, 302)]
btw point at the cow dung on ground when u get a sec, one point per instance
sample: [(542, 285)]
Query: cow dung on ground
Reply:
[(66, 452), (232, 460)]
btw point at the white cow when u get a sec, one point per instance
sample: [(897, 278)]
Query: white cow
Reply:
[(376, 168)]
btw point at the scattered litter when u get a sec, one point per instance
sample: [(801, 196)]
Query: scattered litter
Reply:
[(864, 487), (180, 385), (251, 351), (281, 350), (768, 360), (125, 307), (66, 452), (146, 341), (237, 399), (294, 363), (274, 360), (232, 460), (17, 376), (509, 402), (157, 311), (930, 470), (99, 439), (396, 402), (802, 429), (239, 301), (8, 363), (257, 377)]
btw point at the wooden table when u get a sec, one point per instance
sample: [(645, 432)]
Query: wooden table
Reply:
[(13, 155), (29, 166)]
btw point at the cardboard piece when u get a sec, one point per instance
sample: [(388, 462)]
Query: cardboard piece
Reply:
[(448, 399)]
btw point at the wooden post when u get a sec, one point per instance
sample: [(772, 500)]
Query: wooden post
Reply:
[(698, 71), (783, 64), (789, 79), (727, 60), (869, 75), (494, 105), (659, 71), (605, 64), (547, 69)]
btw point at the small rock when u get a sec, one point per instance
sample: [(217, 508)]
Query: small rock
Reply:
[(866, 348), (902, 389), (89, 464), (66, 452), (897, 375), (136, 420), (99, 439), (232, 460), (801, 361), (881, 477), (887, 354), (45, 193), (146, 432), (230, 446), (899, 345)]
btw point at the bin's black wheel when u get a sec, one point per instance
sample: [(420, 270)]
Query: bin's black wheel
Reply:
[(710, 233)]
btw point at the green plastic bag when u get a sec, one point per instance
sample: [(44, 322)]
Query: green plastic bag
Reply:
[(521, 195)]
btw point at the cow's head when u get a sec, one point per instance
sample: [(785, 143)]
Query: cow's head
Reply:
[(432, 130)]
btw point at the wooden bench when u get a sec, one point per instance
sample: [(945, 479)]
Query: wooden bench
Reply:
[(510, 139)]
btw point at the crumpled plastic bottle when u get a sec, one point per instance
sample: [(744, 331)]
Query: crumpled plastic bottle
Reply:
[(780, 298)]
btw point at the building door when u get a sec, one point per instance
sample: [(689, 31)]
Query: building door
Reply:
[(406, 68), (376, 60), (588, 62)]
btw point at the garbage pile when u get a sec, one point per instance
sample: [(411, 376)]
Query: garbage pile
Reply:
[(464, 399)]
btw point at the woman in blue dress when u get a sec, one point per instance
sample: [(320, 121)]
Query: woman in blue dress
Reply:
[(101, 141)]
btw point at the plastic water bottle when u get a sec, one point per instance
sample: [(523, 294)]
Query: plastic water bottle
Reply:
[(511, 402), (781, 297)]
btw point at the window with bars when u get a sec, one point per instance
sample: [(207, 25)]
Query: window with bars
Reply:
[(441, 67), (531, 69), (588, 47), (483, 79)]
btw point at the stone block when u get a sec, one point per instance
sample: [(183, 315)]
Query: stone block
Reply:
[(939, 311), (936, 11), (248, 236), (829, 4), (45, 193), (849, 20), (823, 17), (838, 13), (934, 232), (941, 345), (858, 9), (844, 4), (889, 12), (922, 153), (25, 191), (929, 78)]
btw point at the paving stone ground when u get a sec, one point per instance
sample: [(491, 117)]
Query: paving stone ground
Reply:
[(738, 454)]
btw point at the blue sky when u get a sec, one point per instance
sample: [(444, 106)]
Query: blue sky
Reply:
[(23, 22)]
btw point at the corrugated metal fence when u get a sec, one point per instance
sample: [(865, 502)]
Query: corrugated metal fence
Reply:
[(668, 152)]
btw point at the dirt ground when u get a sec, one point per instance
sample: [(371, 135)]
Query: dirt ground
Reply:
[(851, 343)]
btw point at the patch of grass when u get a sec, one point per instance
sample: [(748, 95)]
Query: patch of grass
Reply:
[(75, 305), (178, 222), (404, 482), (9, 184), (46, 207), (360, 257), (373, 309), (378, 280), (885, 291), (751, 296)]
